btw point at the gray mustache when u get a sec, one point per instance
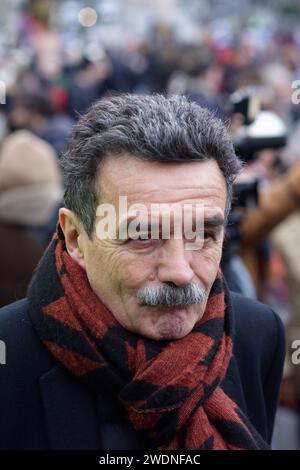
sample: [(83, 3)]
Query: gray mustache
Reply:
[(171, 296)]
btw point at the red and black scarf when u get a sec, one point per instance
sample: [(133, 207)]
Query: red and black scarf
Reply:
[(169, 389)]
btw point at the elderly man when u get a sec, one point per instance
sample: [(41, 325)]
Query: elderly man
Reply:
[(133, 341)]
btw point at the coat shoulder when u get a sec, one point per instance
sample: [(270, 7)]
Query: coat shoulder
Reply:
[(259, 349), (12, 314), (25, 352), (22, 424), (256, 324)]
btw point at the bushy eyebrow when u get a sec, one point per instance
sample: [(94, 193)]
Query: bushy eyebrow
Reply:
[(214, 221)]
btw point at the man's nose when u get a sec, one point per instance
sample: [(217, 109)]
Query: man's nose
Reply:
[(174, 263)]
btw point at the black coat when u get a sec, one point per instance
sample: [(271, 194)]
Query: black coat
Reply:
[(20, 252), (43, 407)]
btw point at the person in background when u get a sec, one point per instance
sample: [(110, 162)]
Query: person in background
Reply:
[(30, 190), (36, 112)]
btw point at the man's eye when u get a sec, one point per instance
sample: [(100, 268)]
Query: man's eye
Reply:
[(208, 235), (141, 238), (140, 243), (202, 236)]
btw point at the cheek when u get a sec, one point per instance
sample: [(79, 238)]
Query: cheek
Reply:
[(101, 269), (206, 263), (118, 268), (134, 271)]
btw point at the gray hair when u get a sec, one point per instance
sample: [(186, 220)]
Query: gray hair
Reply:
[(156, 128), (171, 296)]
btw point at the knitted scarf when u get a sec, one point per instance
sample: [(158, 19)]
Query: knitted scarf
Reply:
[(169, 389)]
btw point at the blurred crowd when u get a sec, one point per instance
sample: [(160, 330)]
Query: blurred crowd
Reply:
[(48, 82)]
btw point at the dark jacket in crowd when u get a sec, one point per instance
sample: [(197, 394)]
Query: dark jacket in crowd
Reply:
[(42, 406), (20, 252)]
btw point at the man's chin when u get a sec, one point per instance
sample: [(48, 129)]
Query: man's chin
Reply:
[(172, 323)]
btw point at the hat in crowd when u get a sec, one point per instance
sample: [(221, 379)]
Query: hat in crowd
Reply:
[(30, 180)]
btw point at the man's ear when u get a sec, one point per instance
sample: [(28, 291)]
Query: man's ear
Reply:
[(73, 232)]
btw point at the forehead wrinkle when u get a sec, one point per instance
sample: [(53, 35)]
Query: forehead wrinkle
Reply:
[(144, 195), (138, 190)]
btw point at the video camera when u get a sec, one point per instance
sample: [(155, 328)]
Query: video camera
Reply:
[(261, 129)]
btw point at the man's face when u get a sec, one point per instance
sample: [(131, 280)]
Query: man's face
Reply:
[(118, 270)]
